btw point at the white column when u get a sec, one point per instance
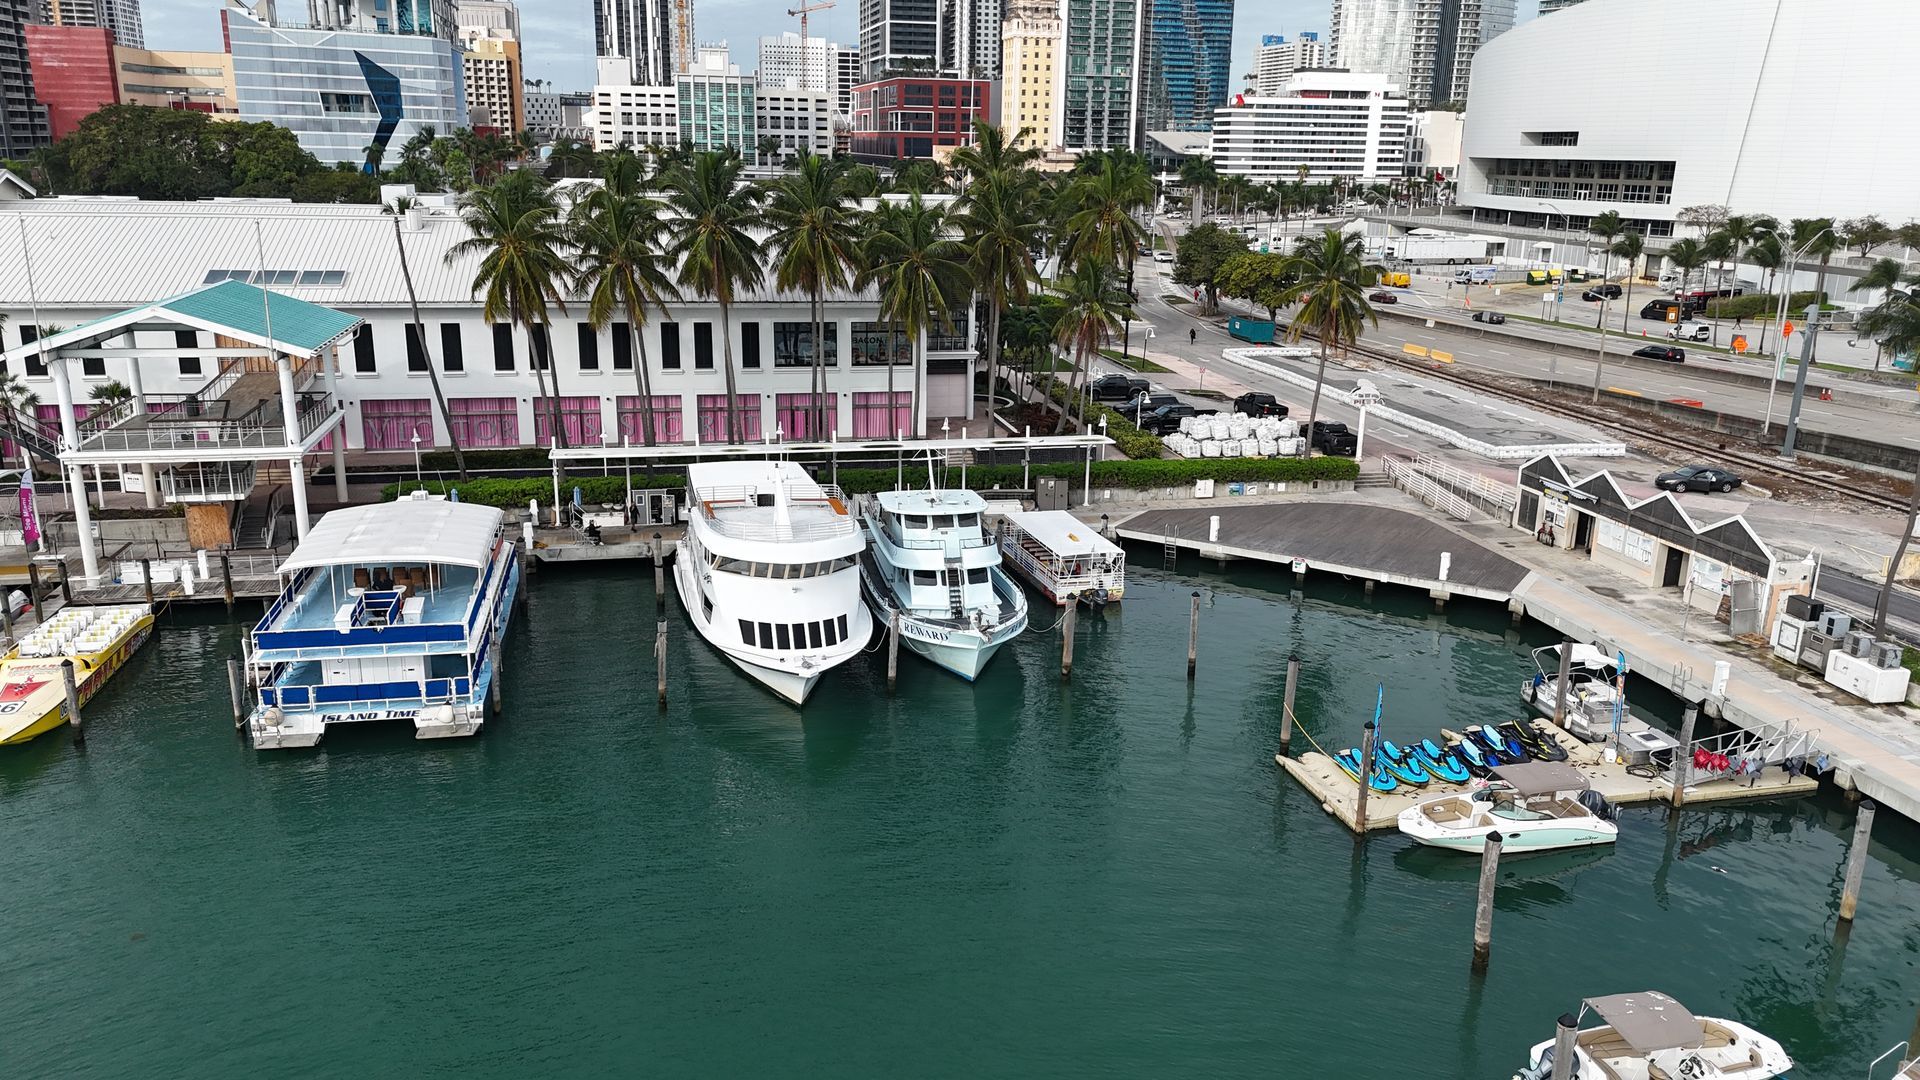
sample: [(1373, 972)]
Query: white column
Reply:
[(340, 433), (76, 480), (290, 416), (140, 408)]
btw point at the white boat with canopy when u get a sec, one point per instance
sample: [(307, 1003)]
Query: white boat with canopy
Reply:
[(930, 562), (1064, 557), (388, 612), (1534, 806), (1650, 1036)]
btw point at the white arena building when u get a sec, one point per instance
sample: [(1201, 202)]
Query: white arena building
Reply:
[(1795, 108)]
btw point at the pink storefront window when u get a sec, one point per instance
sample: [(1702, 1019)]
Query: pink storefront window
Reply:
[(713, 417), (668, 425), (391, 423), (795, 415), (480, 423), (873, 420), (579, 418)]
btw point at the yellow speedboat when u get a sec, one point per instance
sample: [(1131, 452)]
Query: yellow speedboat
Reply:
[(33, 696)]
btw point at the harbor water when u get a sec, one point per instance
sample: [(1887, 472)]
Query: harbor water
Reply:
[(1016, 877)]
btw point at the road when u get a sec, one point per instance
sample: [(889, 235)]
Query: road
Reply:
[(1857, 596)]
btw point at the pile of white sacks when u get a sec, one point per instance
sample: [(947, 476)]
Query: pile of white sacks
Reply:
[(1233, 435)]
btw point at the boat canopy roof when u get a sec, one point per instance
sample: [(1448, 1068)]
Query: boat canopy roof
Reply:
[(1649, 1021), (1584, 655), (938, 501), (1062, 533), (407, 531), (1541, 777)]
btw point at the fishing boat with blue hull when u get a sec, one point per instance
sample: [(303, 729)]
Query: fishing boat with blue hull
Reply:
[(388, 612), (930, 561)]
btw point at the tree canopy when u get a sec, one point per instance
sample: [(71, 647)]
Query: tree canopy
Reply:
[(1202, 253)]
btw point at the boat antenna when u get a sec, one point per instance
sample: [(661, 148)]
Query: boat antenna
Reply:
[(931, 485)]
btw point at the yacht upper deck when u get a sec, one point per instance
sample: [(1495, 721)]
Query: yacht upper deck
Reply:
[(773, 501)]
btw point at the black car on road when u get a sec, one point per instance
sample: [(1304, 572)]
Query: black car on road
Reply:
[(1258, 404), (1672, 354), (1493, 317), (1602, 292), (1117, 387), (1698, 478), (1165, 420)]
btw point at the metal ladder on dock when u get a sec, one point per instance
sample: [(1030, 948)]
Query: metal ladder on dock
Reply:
[(1169, 552)]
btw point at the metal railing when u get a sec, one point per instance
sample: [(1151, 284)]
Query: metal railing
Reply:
[(1766, 744), (1498, 497), (1415, 483), (173, 431), (713, 503), (1053, 569), (208, 481)]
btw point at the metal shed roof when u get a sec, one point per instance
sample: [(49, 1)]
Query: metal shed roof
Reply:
[(407, 531), (1062, 533)]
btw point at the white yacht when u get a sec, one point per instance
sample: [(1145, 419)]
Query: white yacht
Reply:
[(930, 560), (1650, 1036), (767, 572), (1534, 806)]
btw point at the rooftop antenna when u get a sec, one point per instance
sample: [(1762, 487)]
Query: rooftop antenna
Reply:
[(266, 308)]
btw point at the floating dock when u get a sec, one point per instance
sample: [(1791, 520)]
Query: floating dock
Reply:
[(1337, 791)]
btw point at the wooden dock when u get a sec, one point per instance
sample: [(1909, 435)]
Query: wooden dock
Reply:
[(1336, 790)]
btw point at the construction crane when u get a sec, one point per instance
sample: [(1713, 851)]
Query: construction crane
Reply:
[(802, 12)]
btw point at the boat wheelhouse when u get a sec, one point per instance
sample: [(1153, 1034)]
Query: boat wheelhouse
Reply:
[(767, 572), (1063, 557), (389, 612), (930, 560)]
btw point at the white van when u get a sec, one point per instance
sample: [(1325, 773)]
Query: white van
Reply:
[(1690, 331), (1474, 275)]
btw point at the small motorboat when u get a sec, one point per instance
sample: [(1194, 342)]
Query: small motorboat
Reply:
[(1509, 751), (1440, 763), (1651, 1035), (1538, 745), (1349, 762), (1406, 768), (1536, 806)]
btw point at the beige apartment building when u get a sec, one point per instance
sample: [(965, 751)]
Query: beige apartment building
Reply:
[(492, 70), (1029, 74), (174, 79)]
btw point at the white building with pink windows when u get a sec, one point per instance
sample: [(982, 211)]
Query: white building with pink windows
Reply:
[(66, 261)]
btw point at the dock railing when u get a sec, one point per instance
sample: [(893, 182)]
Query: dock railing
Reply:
[(1766, 744), (1417, 484)]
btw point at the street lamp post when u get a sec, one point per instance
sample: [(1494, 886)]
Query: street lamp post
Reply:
[(1366, 395), (418, 482), (1780, 322)]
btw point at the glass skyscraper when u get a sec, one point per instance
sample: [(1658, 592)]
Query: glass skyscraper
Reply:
[(1186, 64), (1099, 108)]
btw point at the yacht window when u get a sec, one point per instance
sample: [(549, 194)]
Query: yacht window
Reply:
[(813, 635), (926, 577), (843, 627), (977, 575), (914, 521), (968, 521), (746, 631), (829, 636), (766, 636), (784, 635)]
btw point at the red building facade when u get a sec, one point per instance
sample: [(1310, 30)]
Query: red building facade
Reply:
[(908, 117), (73, 73)]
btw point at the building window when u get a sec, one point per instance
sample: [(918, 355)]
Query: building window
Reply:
[(579, 418), (713, 417), (189, 339), (872, 419), (93, 366), (542, 346), (622, 347), (880, 343), (793, 344), (749, 344), (36, 363), (416, 350), (794, 413), (502, 347), (703, 346), (670, 346), (589, 347), (480, 423), (668, 425), (391, 424), (363, 359), (452, 357)]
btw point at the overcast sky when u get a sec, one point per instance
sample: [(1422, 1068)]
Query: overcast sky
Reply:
[(559, 33)]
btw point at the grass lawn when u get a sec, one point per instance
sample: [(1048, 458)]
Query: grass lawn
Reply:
[(1134, 363), (1170, 299)]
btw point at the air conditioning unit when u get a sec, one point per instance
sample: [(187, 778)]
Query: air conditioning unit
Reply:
[(1859, 643), (1814, 647), (1835, 624), (1887, 654)]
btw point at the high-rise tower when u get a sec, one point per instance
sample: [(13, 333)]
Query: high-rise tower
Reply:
[(1426, 46), (1186, 63), (654, 36), (121, 17)]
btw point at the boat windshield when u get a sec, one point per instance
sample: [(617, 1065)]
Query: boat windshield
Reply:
[(1516, 812), (747, 568)]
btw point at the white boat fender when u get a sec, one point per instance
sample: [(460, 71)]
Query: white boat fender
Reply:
[(273, 717)]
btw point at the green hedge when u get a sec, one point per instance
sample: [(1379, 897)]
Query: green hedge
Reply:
[(1169, 472), (1759, 305)]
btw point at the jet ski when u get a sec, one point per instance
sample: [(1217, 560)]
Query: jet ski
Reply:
[(1440, 763), (1349, 762), (1509, 749), (1538, 743), (1470, 755), (1404, 766)]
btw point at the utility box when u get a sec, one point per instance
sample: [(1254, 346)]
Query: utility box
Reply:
[(1859, 677), (1788, 634), (1834, 624), (1859, 643), (1050, 493), (1805, 608)]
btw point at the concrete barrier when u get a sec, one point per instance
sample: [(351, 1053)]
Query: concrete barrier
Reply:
[(1898, 459)]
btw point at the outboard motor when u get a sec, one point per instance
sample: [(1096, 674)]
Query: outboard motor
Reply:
[(1598, 804), (1538, 1072)]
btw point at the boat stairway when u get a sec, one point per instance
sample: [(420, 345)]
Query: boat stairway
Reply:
[(956, 600)]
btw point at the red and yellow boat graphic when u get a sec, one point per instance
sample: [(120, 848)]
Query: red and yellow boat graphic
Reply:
[(33, 695)]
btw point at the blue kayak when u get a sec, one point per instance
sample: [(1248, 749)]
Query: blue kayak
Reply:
[(1440, 763), (1349, 762), (1403, 765)]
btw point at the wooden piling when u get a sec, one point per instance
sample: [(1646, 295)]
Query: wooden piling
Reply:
[(1193, 635), (226, 578), (233, 692), (893, 651), (499, 670), (1560, 686), (73, 703), (1286, 705), (1483, 910), (659, 574), (1066, 640), (1366, 780), (1683, 758), (146, 578), (1563, 1036), (1366, 588), (1857, 861), (660, 658), (33, 591)]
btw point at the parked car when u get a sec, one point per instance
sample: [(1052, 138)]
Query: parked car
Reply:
[(1163, 256), (1258, 404), (1383, 298), (1332, 437), (1165, 420), (1602, 292), (1117, 387), (1698, 478), (1491, 317), (1690, 331), (1142, 404), (1672, 354)]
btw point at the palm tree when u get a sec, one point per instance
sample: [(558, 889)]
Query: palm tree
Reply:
[(1094, 307), (919, 270), (1000, 236), (1608, 226), (1198, 176), (398, 210), (1102, 226), (816, 247), (1886, 316), (1628, 249), (17, 400), (718, 254), (516, 230), (1718, 247), (110, 394), (992, 153), (1330, 283), (1813, 236), (617, 232), (1767, 252), (918, 176), (375, 153), (1687, 256)]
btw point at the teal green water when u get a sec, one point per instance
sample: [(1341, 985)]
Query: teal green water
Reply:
[(1013, 878)]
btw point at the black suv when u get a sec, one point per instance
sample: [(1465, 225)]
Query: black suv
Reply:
[(1608, 291), (1332, 437), (1117, 387), (1165, 420), (1258, 404)]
